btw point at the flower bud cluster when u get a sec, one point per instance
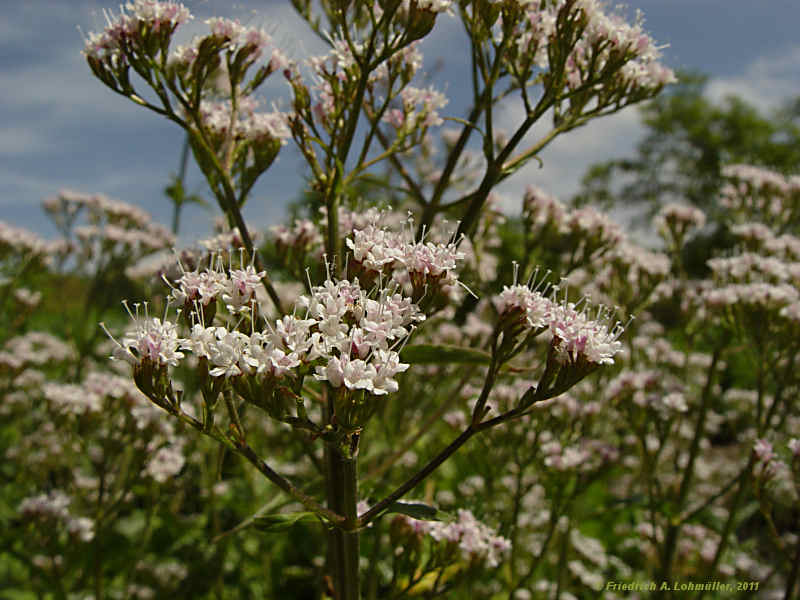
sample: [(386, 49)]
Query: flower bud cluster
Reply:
[(109, 226), (675, 220), (749, 266), (240, 38), (628, 274), (575, 336), (18, 241), (584, 231), (34, 348), (336, 80), (53, 507), (348, 334), (422, 267), (249, 125), (603, 46), (476, 541), (755, 192), (136, 21), (303, 236), (420, 110), (767, 462), (541, 209)]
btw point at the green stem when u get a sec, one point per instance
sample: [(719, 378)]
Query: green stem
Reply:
[(792, 579), (342, 487), (673, 531), (732, 511), (176, 208)]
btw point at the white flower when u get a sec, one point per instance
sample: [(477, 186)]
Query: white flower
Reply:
[(387, 365), (149, 339), (576, 336), (165, 463)]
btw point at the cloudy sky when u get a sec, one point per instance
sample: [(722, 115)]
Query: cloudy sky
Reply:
[(61, 128)]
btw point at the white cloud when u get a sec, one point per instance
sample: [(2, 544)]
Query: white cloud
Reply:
[(567, 158), (765, 83)]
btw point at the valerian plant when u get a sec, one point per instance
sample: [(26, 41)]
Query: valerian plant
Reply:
[(326, 368), (420, 400)]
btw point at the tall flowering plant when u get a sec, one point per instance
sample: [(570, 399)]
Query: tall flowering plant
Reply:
[(228, 342)]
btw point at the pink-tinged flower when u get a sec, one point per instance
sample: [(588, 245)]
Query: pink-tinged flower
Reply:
[(226, 352), (358, 375), (387, 365), (575, 336), (333, 372), (149, 339), (763, 451), (225, 28), (679, 218), (241, 288), (166, 463), (279, 363), (202, 286), (531, 305), (794, 447), (475, 540), (151, 15)]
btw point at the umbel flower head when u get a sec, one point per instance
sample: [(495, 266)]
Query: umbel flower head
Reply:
[(150, 340), (576, 336), (527, 310)]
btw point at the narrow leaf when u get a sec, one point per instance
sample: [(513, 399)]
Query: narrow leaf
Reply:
[(442, 354), (419, 511), (281, 522)]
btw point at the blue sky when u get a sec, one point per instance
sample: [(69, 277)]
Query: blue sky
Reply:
[(61, 128)]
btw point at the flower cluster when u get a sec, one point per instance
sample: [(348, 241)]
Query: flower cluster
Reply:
[(135, 21), (14, 240), (575, 336), (34, 348), (674, 220), (303, 235), (419, 111), (97, 226), (236, 287), (54, 507), (474, 540), (750, 266), (150, 340), (757, 192), (249, 125), (584, 231), (605, 46), (345, 332), (423, 267), (762, 295), (356, 335)]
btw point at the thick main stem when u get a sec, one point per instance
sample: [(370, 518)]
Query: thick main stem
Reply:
[(342, 488)]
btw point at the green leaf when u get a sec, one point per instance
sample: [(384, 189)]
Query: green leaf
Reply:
[(419, 511), (281, 522), (442, 354)]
